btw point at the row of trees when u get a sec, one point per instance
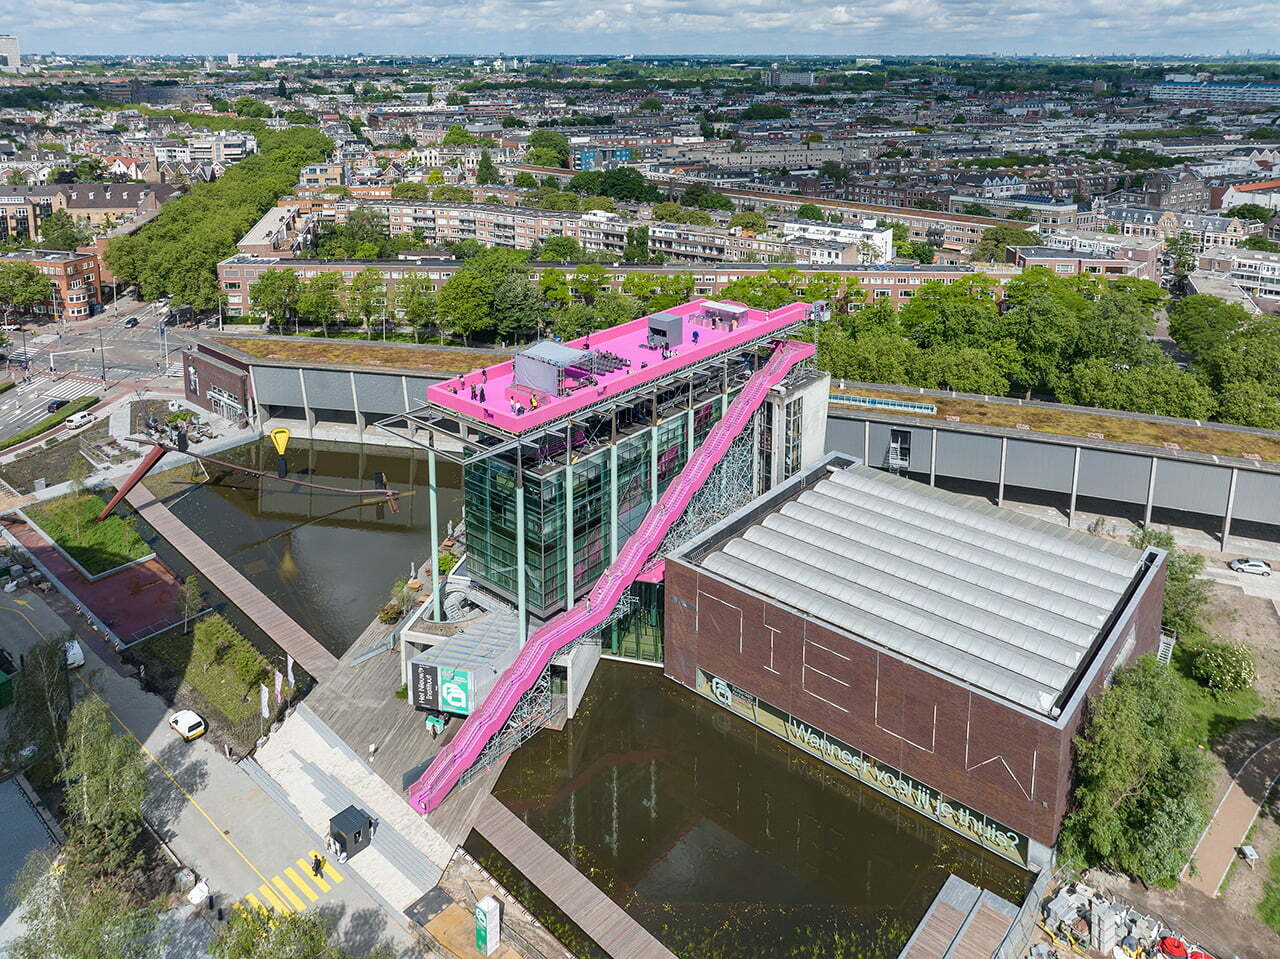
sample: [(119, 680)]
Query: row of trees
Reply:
[(176, 254), (490, 298)]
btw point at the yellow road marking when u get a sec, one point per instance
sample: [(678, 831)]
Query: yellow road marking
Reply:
[(168, 775), (255, 902), (300, 883), (26, 617), (289, 894), (318, 880), (272, 898), (333, 874)]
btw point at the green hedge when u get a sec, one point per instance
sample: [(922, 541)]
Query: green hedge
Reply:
[(49, 422), (7, 386)]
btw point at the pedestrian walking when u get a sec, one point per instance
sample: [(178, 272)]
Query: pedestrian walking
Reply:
[(317, 866)]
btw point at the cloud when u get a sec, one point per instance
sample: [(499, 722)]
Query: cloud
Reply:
[(412, 27)]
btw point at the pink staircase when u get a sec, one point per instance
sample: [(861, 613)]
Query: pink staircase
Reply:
[(485, 723)]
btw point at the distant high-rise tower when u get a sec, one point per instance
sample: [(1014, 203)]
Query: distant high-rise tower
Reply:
[(233, 59), (10, 55)]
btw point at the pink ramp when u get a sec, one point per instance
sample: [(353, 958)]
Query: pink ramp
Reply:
[(485, 723)]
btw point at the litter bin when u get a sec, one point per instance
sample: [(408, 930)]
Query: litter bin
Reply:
[(350, 830)]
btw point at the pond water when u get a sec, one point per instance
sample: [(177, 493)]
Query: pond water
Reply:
[(723, 840), (327, 559)]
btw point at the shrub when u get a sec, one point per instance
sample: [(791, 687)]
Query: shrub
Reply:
[(218, 642), (1223, 667), (447, 562), (7, 385)]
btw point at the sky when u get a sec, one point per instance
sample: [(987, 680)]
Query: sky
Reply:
[(719, 27)]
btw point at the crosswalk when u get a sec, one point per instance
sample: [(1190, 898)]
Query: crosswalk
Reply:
[(294, 889), (23, 353), (173, 369), (70, 389)]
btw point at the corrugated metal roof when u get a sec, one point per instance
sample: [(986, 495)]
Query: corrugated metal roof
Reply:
[(997, 599)]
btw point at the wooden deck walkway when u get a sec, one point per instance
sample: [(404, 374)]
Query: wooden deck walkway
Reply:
[(273, 621), (963, 922), (599, 916)]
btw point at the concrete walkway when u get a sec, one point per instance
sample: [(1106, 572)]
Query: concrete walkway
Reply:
[(1234, 817)]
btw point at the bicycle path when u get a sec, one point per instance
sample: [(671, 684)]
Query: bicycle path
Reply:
[(1233, 818)]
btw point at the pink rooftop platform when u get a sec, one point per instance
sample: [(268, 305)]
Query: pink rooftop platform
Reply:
[(719, 326)]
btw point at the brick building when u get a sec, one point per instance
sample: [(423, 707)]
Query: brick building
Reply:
[(75, 283), (938, 650)]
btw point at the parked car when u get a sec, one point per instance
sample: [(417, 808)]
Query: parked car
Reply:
[(80, 420), (187, 724), (55, 405), (1246, 565), (74, 653)]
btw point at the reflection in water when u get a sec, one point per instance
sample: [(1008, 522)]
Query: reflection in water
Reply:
[(327, 559), (726, 842)]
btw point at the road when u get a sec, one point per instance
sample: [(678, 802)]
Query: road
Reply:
[(252, 851)]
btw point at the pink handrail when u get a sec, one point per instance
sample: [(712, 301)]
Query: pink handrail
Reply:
[(485, 723)]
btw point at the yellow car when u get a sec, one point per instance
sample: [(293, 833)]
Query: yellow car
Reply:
[(188, 725)]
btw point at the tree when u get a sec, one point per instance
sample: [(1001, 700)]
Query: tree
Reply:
[(1201, 321), (547, 148), (588, 282), (749, 221), (105, 781), (1248, 403), (1251, 211), (637, 246), (832, 170), (1182, 247), (651, 105), (1021, 213), (69, 916), (997, 239), (1259, 243), (553, 284), (60, 232), (435, 177), (412, 191), (22, 287), (367, 299), (967, 369), (975, 209), (282, 91), (249, 107), (517, 306), (41, 705), (603, 203), (525, 180), (1185, 592), (465, 302), (810, 211), (274, 295), (486, 173), (251, 934), (1141, 786), (1158, 388), (320, 299), (654, 292), (191, 599), (452, 194), (416, 301), (561, 248), (928, 204)]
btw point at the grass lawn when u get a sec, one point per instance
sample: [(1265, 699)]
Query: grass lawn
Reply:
[(1269, 908), (1214, 715), (98, 547), (1117, 429)]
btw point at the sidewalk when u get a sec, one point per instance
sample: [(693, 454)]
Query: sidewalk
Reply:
[(1233, 818)]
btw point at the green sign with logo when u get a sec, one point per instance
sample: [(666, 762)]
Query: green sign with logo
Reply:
[(455, 691)]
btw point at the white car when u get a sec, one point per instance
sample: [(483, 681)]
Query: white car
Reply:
[(80, 420), (187, 724), (1246, 565), (74, 653)]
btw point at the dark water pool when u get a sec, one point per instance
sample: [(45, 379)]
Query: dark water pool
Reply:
[(724, 841), (327, 559)]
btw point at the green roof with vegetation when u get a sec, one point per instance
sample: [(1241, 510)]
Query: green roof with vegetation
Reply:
[(98, 547)]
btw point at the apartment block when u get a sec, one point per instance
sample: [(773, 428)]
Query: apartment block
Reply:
[(75, 284), (1253, 271), (1208, 231)]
